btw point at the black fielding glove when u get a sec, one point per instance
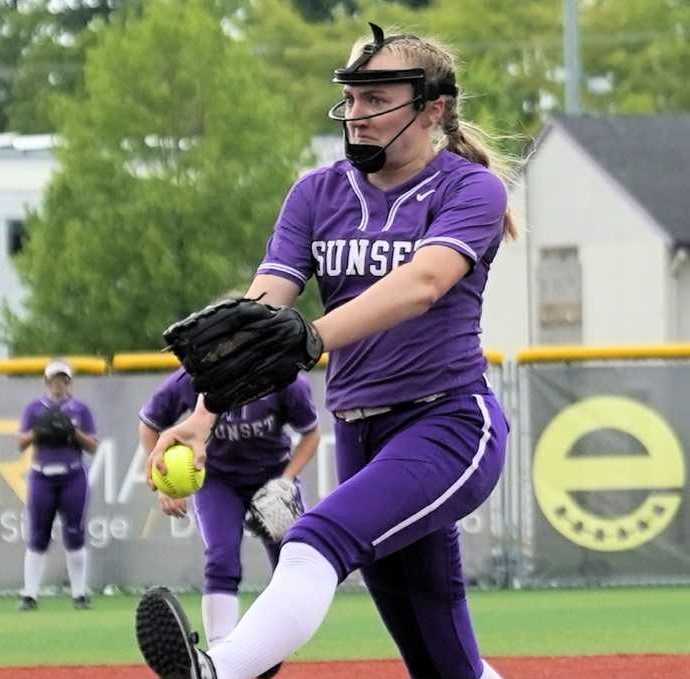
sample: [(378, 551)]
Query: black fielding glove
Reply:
[(54, 428), (239, 350)]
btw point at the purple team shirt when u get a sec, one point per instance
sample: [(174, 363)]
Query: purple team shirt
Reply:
[(337, 226), (246, 441), (81, 418)]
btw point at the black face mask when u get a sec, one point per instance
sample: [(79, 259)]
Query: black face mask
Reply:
[(370, 158)]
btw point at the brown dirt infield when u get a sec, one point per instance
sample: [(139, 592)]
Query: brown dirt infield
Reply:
[(588, 667)]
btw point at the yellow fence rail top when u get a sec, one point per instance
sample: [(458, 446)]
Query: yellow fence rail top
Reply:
[(35, 365), (150, 361), (632, 352), (135, 361), (493, 357), (145, 361)]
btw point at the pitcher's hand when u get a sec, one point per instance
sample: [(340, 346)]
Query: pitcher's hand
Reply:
[(193, 432)]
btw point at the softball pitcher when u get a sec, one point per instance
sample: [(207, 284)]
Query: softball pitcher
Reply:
[(401, 237)]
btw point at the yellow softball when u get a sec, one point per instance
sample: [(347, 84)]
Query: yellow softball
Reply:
[(183, 478)]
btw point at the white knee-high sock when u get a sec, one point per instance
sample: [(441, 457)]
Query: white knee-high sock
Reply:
[(283, 618), (219, 612), (34, 566), (76, 570), (489, 672)]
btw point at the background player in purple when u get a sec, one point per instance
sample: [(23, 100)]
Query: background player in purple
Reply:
[(400, 237), (248, 447), (60, 427)]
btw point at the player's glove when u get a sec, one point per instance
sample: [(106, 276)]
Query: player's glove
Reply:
[(54, 428), (274, 508), (239, 350)]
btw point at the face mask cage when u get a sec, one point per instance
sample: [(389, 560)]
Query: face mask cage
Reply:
[(423, 90), (339, 111), (371, 158)]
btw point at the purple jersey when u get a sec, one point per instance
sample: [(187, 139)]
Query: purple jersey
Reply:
[(245, 441), (81, 418), (336, 225)]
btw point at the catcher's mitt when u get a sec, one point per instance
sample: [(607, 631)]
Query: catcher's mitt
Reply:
[(274, 508), (239, 350), (54, 428)]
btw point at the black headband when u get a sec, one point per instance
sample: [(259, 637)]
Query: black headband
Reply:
[(352, 75)]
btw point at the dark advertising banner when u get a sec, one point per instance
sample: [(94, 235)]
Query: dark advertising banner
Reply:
[(608, 447)]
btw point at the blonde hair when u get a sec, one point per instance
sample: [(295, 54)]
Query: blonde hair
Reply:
[(457, 135)]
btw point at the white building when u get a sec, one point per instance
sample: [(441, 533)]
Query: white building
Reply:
[(604, 254), (26, 164)]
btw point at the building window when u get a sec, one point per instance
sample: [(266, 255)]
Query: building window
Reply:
[(16, 236), (559, 296)]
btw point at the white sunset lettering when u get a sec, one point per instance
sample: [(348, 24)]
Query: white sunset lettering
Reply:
[(360, 256)]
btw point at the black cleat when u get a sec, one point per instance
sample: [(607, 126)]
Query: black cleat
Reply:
[(272, 672), (81, 603), (27, 603), (166, 640)]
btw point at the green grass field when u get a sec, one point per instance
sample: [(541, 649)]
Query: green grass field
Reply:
[(566, 622)]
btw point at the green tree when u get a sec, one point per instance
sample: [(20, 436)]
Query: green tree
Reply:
[(16, 31), (300, 55), (42, 54), (636, 56), (173, 166), (507, 53)]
